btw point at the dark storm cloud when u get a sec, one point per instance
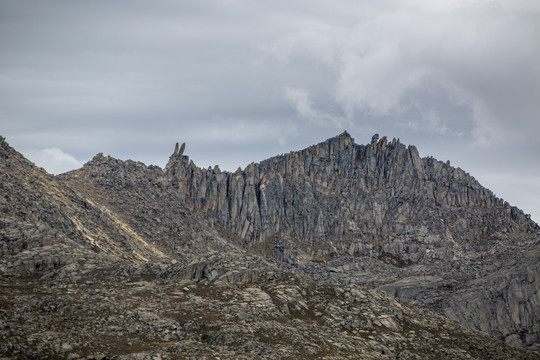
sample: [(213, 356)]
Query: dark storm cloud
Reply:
[(240, 81)]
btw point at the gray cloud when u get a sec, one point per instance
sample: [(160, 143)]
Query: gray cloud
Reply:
[(54, 160), (479, 57), (300, 100), (240, 81)]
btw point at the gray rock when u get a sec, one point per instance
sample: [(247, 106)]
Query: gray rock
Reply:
[(99, 242), (421, 217)]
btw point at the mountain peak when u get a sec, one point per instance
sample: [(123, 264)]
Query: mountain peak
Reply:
[(343, 138), (338, 212)]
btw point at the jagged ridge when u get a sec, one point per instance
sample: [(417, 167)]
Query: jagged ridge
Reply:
[(374, 214), (339, 197), (385, 214)]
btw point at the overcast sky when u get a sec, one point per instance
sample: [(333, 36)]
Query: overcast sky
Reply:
[(240, 81)]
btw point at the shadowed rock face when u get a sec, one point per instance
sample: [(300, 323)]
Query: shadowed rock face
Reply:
[(338, 212)]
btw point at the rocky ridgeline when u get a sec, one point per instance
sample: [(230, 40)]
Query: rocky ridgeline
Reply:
[(336, 215), (142, 201), (40, 217), (419, 228), (337, 197)]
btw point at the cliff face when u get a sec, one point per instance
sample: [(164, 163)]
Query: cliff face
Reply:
[(418, 228), (337, 197), (376, 215)]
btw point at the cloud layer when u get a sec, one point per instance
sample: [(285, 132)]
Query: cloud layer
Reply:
[(240, 81), (457, 69), (54, 160)]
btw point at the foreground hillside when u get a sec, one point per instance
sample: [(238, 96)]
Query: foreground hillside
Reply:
[(223, 305), (118, 258)]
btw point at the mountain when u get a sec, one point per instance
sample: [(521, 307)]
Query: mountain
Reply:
[(40, 211), (379, 215), (290, 257), (379, 200)]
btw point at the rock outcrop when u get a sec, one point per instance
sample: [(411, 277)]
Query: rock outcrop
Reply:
[(338, 197), (334, 217), (416, 218), (214, 307)]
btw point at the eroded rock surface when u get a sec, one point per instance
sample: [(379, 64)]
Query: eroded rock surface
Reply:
[(295, 239), (421, 229)]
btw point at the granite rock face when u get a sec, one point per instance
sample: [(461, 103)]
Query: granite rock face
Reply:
[(298, 236), (417, 218), (337, 197)]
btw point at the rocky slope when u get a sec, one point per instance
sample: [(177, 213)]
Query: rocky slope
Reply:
[(142, 200), (41, 215), (334, 216), (223, 305)]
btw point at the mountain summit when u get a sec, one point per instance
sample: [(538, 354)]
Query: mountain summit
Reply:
[(339, 197), (380, 215), (335, 214)]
